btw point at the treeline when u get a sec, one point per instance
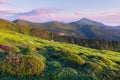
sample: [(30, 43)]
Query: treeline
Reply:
[(92, 43), (98, 44)]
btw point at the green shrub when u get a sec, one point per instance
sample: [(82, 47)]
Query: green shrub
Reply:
[(66, 74), (88, 77), (54, 65), (90, 67), (68, 58), (73, 60), (26, 49), (22, 65), (83, 55), (101, 60)]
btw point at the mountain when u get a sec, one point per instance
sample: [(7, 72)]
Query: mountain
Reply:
[(35, 31), (83, 29), (61, 34), (55, 27), (24, 57), (5, 24), (8, 25), (85, 21), (96, 30)]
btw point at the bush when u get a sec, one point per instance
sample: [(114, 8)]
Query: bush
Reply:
[(66, 74), (73, 60), (26, 49), (22, 65), (54, 65), (4, 48), (69, 58), (90, 67), (83, 55), (101, 60)]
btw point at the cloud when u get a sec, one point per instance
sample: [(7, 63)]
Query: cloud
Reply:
[(3, 2), (6, 13), (41, 15), (3, 12), (34, 15), (46, 15)]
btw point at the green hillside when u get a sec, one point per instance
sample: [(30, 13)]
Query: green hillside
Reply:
[(83, 29), (24, 57), (5, 24), (39, 32), (57, 28)]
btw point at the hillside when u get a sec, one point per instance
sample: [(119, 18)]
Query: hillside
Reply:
[(36, 31), (83, 29), (5, 24), (27, 57), (63, 33), (55, 27), (8, 25), (96, 30)]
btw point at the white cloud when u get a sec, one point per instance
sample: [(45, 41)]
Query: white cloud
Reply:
[(45, 15), (3, 2)]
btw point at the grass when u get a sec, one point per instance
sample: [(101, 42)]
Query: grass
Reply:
[(53, 60)]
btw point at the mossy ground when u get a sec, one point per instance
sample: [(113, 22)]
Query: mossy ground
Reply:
[(24, 57)]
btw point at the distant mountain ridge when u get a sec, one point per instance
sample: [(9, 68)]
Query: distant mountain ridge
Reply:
[(83, 29), (86, 21)]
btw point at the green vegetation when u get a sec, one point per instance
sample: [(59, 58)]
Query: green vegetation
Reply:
[(83, 29), (36, 30), (22, 65), (24, 57)]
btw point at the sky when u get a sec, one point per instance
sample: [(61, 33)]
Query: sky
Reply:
[(105, 11)]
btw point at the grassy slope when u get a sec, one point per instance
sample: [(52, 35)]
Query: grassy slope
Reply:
[(8, 36), (65, 53), (39, 32), (5, 24)]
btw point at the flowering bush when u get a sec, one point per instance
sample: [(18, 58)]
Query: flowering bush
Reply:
[(4, 48), (22, 65)]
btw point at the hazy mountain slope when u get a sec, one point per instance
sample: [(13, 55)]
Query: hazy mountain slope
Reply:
[(55, 27), (96, 30), (47, 25), (85, 21), (84, 28), (27, 57), (5, 24)]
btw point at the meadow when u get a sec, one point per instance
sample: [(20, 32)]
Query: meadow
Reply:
[(24, 57)]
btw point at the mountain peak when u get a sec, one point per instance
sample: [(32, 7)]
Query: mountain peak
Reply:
[(20, 21), (85, 18), (86, 21)]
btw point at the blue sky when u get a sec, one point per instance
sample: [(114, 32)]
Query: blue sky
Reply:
[(106, 11), (84, 5)]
